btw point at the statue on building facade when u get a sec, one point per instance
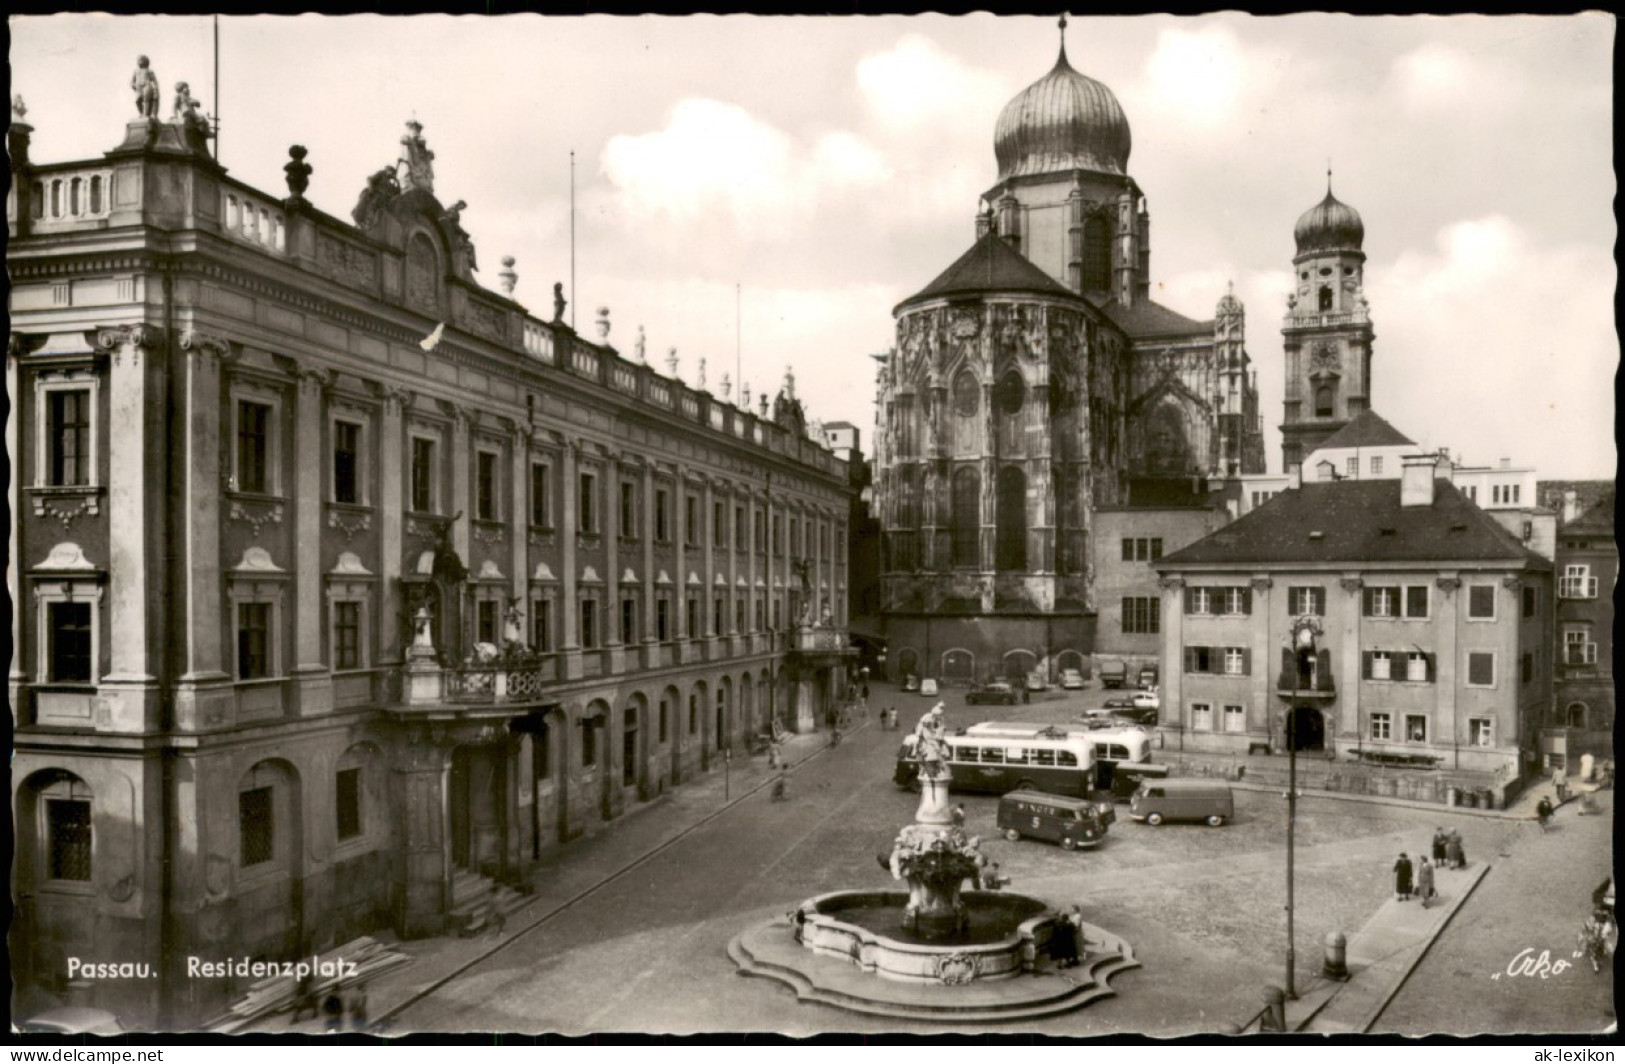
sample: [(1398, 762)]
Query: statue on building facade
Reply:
[(559, 301), (145, 84), (195, 126), (638, 348), (382, 187), (415, 170), (700, 384)]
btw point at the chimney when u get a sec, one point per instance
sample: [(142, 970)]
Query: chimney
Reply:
[(1294, 476), (1571, 506), (1416, 479)]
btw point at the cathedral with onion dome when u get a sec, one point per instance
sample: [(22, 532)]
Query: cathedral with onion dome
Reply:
[(1035, 383)]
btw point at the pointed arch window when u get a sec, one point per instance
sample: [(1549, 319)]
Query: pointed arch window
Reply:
[(967, 394), (1097, 255), (1011, 546), (967, 517)]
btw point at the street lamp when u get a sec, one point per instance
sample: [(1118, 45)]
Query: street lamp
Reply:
[(1304, 631)]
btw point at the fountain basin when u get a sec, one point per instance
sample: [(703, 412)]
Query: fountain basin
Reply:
[(1004, 937)]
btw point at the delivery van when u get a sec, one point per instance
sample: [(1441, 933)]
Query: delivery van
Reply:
[(1156, 801), (1073, 822)]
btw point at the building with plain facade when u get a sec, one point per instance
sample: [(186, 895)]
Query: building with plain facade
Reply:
[(1587, 568), (1433, 648), (346, 589), (1032, 382)]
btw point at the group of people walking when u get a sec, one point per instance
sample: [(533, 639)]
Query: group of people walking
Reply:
[(1417, 879)]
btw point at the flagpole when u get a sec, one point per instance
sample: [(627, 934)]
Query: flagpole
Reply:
[(216, 88), (739, 343), (574, 299)]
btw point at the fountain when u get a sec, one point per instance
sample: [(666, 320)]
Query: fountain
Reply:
[(938, 951)]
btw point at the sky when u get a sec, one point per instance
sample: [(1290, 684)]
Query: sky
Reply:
[(761, 192)]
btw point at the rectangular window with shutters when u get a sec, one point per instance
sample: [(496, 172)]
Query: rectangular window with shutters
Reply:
[(347, 802), (253, 640), (1481, 602), (1235, 719), (1201, 716), (1235, 661), (587, 506), (255, 826), (1142, 615), (68, 639), (589, 624), (1416, 601), (1481, 731), (423, 475), (253, 447), (1381, 665), (1198, 600), (1237, 601), (1380, 601), (1200, 659), (346, 635), (68, 437), (541, 509), (1308, 601), (485, 486), (346, 462), (1382, 726), (1418, 667), (541, 624), (68, 842), (1480, 668)]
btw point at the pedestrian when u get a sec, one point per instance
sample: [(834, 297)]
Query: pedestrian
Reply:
[(333, 1011), (1402, 878), (1543, 811), (1424, 881), (991, 880), (1455, 851), (1063, 942), (781, 786), (959, 815), (1560, 783), (1026, 695), (775, 759), (1439, 838), (358, 1008), (863, 692)]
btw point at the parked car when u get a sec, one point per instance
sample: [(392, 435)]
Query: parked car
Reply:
[(1072, 680), (1036, 681), (911, 682), (1159, 800), (72, 1020), (1113, 674), (1138, 700), (1148, 678), (928, 687), (1073, 823), (997, 693)]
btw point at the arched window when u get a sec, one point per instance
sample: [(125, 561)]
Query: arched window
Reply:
[(967, 518), (1324, 395), (1012, 392), (1011, 547), (1097, 255), (422, 272), (967, 394), (1325, 299), (1575, 715)]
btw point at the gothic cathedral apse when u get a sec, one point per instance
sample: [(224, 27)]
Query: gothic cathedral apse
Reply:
[(1033, 382)]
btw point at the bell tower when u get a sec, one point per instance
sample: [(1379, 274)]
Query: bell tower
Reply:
[(1327, 333)]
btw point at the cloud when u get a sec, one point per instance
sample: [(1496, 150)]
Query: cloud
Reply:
[(1199, 74), (916, 89)]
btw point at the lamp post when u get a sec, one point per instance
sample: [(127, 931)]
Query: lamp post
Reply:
[(1304, 631)]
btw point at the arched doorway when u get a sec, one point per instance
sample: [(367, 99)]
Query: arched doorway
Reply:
[(1017, 664), (908, 662), (1306, 729), (958, 667)]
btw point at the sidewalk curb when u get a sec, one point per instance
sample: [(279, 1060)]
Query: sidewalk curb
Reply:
[(498, 946), (1379, 799), (1423, 952)]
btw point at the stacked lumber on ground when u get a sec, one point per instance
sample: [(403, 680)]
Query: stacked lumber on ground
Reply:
[(356, 961)]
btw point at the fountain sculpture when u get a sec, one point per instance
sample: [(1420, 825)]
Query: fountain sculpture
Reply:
[(970, 944)]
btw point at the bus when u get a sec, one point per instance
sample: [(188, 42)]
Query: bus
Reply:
[(1127, 744), (1039, 759)]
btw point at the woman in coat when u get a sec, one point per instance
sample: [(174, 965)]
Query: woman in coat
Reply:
[(1439, 839), (1424, 881), (1453, 851), (1402, 878)]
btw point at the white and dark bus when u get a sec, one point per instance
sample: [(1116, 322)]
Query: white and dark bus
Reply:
[(1119, 757), (1036, 759)]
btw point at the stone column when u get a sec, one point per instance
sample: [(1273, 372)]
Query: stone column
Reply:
[(708, 603), (679, 491), (729, 528), (313, 683), (519, 527), (461, 502), (392, 451), (203, 695), (750, 566), (569, 532), (651, 644), (127, 697), (616, 653)]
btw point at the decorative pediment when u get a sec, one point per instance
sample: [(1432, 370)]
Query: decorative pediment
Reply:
[(257, 560), (489, 571), (66, 557), (663, 580), (694, 580), (543, 574), (589, 575), (629, 577), (349, 565), (721, 581)]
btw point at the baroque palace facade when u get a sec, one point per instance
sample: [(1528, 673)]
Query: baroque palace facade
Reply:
[(344, 588), (1033, 383)]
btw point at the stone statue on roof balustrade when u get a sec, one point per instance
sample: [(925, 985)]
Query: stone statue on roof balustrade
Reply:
[(145, 83), (415, 170)]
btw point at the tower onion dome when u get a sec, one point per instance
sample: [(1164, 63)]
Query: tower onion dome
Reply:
[(1330, 225), (1063, 121)]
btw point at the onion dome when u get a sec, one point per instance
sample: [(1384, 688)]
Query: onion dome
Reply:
[(1330, 225), (1063, 121)]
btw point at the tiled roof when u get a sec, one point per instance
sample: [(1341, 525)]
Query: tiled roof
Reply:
[(1599, 520), (991, 265), (1366, 430), (1360, 522), (1146, 318)]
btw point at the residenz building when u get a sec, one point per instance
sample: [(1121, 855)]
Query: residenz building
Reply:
[(345, 589)]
